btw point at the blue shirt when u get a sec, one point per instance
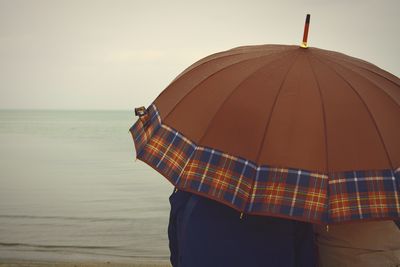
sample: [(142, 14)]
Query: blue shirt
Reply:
[(205, 233)]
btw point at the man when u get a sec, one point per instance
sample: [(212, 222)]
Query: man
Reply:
[(203, 232)]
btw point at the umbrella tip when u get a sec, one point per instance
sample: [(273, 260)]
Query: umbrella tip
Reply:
[(305, 35)]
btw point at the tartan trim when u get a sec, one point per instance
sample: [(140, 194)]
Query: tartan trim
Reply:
[(143, 129), (362, 195), (218, 175), (168, 152), (265, 190), (295, 193)]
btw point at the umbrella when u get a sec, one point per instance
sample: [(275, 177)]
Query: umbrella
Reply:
[(280, 130)]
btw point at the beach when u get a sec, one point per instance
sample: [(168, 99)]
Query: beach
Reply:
[(72, 193)]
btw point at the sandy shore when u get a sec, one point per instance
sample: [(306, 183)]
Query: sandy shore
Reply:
[(80, 264)]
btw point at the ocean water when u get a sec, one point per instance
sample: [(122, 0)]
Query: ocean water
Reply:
[(70, 189)]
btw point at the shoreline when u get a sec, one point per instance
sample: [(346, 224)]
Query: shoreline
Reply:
[(36, 263)]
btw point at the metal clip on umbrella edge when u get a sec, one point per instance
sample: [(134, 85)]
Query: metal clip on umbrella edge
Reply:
[(143, 115)]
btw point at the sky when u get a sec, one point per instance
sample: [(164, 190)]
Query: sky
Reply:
[(117, 55)]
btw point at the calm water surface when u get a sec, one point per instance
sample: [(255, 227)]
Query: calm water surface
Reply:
[(70, 189)]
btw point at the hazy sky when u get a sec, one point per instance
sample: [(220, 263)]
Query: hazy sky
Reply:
[(121, 54)]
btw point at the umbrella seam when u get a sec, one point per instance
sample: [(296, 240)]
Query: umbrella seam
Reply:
[(189, 70), (272, 110), (235, 89), (366, 107), (323, 115), (360, 66), (221, 55), (213, 74), (266, 130), (376, 128), (366, 78), (325, 136)]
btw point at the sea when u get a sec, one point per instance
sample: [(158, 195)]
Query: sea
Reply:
[(71, 189)]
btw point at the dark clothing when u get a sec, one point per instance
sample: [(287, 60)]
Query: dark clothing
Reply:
[(203, 232)]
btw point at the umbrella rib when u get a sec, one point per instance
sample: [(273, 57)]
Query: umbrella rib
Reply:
[(366, 107), (361, 67), (250, 196), (342, 58), (189, 69), (272, 110), (234, 90), (213, 74), (221, 55), (211, 58), (323, 114)]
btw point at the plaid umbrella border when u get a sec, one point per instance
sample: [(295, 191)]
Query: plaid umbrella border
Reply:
[(265, 190)]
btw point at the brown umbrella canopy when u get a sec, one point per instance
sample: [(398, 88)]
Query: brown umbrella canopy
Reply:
[(290, 107)]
